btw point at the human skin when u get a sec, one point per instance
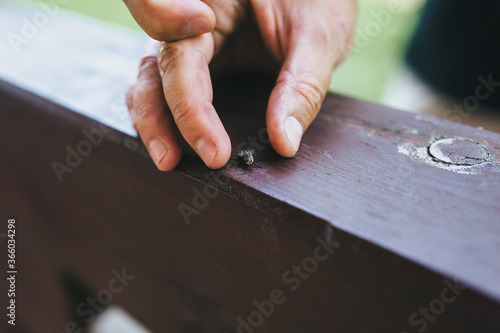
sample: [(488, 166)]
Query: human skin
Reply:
[(300, 40)]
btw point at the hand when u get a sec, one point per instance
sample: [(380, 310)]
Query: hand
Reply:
[(303, 39)]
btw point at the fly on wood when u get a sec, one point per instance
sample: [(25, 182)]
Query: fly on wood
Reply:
[(246, 159)]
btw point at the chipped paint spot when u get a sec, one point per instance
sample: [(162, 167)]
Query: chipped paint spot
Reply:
[(459, 151), (422, 154)]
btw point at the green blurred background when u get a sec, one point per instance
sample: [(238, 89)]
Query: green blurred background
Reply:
[(366, 71)]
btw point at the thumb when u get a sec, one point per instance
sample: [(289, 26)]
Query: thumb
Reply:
[(299, 92), (169, 20)]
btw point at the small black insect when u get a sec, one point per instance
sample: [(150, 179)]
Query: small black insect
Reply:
[(246, 159)]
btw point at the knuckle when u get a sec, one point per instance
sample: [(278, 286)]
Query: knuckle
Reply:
[(183, 112), (168, 55), (149, 77), (148, 63), (144, 112), (308, 86), (147, 120)]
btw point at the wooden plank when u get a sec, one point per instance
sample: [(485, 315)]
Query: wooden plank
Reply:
[(233, 249), (363, 179)]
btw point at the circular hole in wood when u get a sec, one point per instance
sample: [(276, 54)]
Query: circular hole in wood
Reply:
[(459, 151)]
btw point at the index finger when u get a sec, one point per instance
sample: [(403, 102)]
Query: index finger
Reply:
[(188, 90)]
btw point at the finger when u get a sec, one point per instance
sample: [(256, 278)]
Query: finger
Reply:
[(188, 91), (168, 20), (230, 14), (300, 89), (151, 117)]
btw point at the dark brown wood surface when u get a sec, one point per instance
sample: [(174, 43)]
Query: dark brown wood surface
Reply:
[(362, 179)]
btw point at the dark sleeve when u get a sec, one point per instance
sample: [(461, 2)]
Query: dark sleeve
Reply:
[(456, 43)]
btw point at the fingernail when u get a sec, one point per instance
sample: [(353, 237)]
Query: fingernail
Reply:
[(293, 130), (197, 26), (157, 150), (207, 150)]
